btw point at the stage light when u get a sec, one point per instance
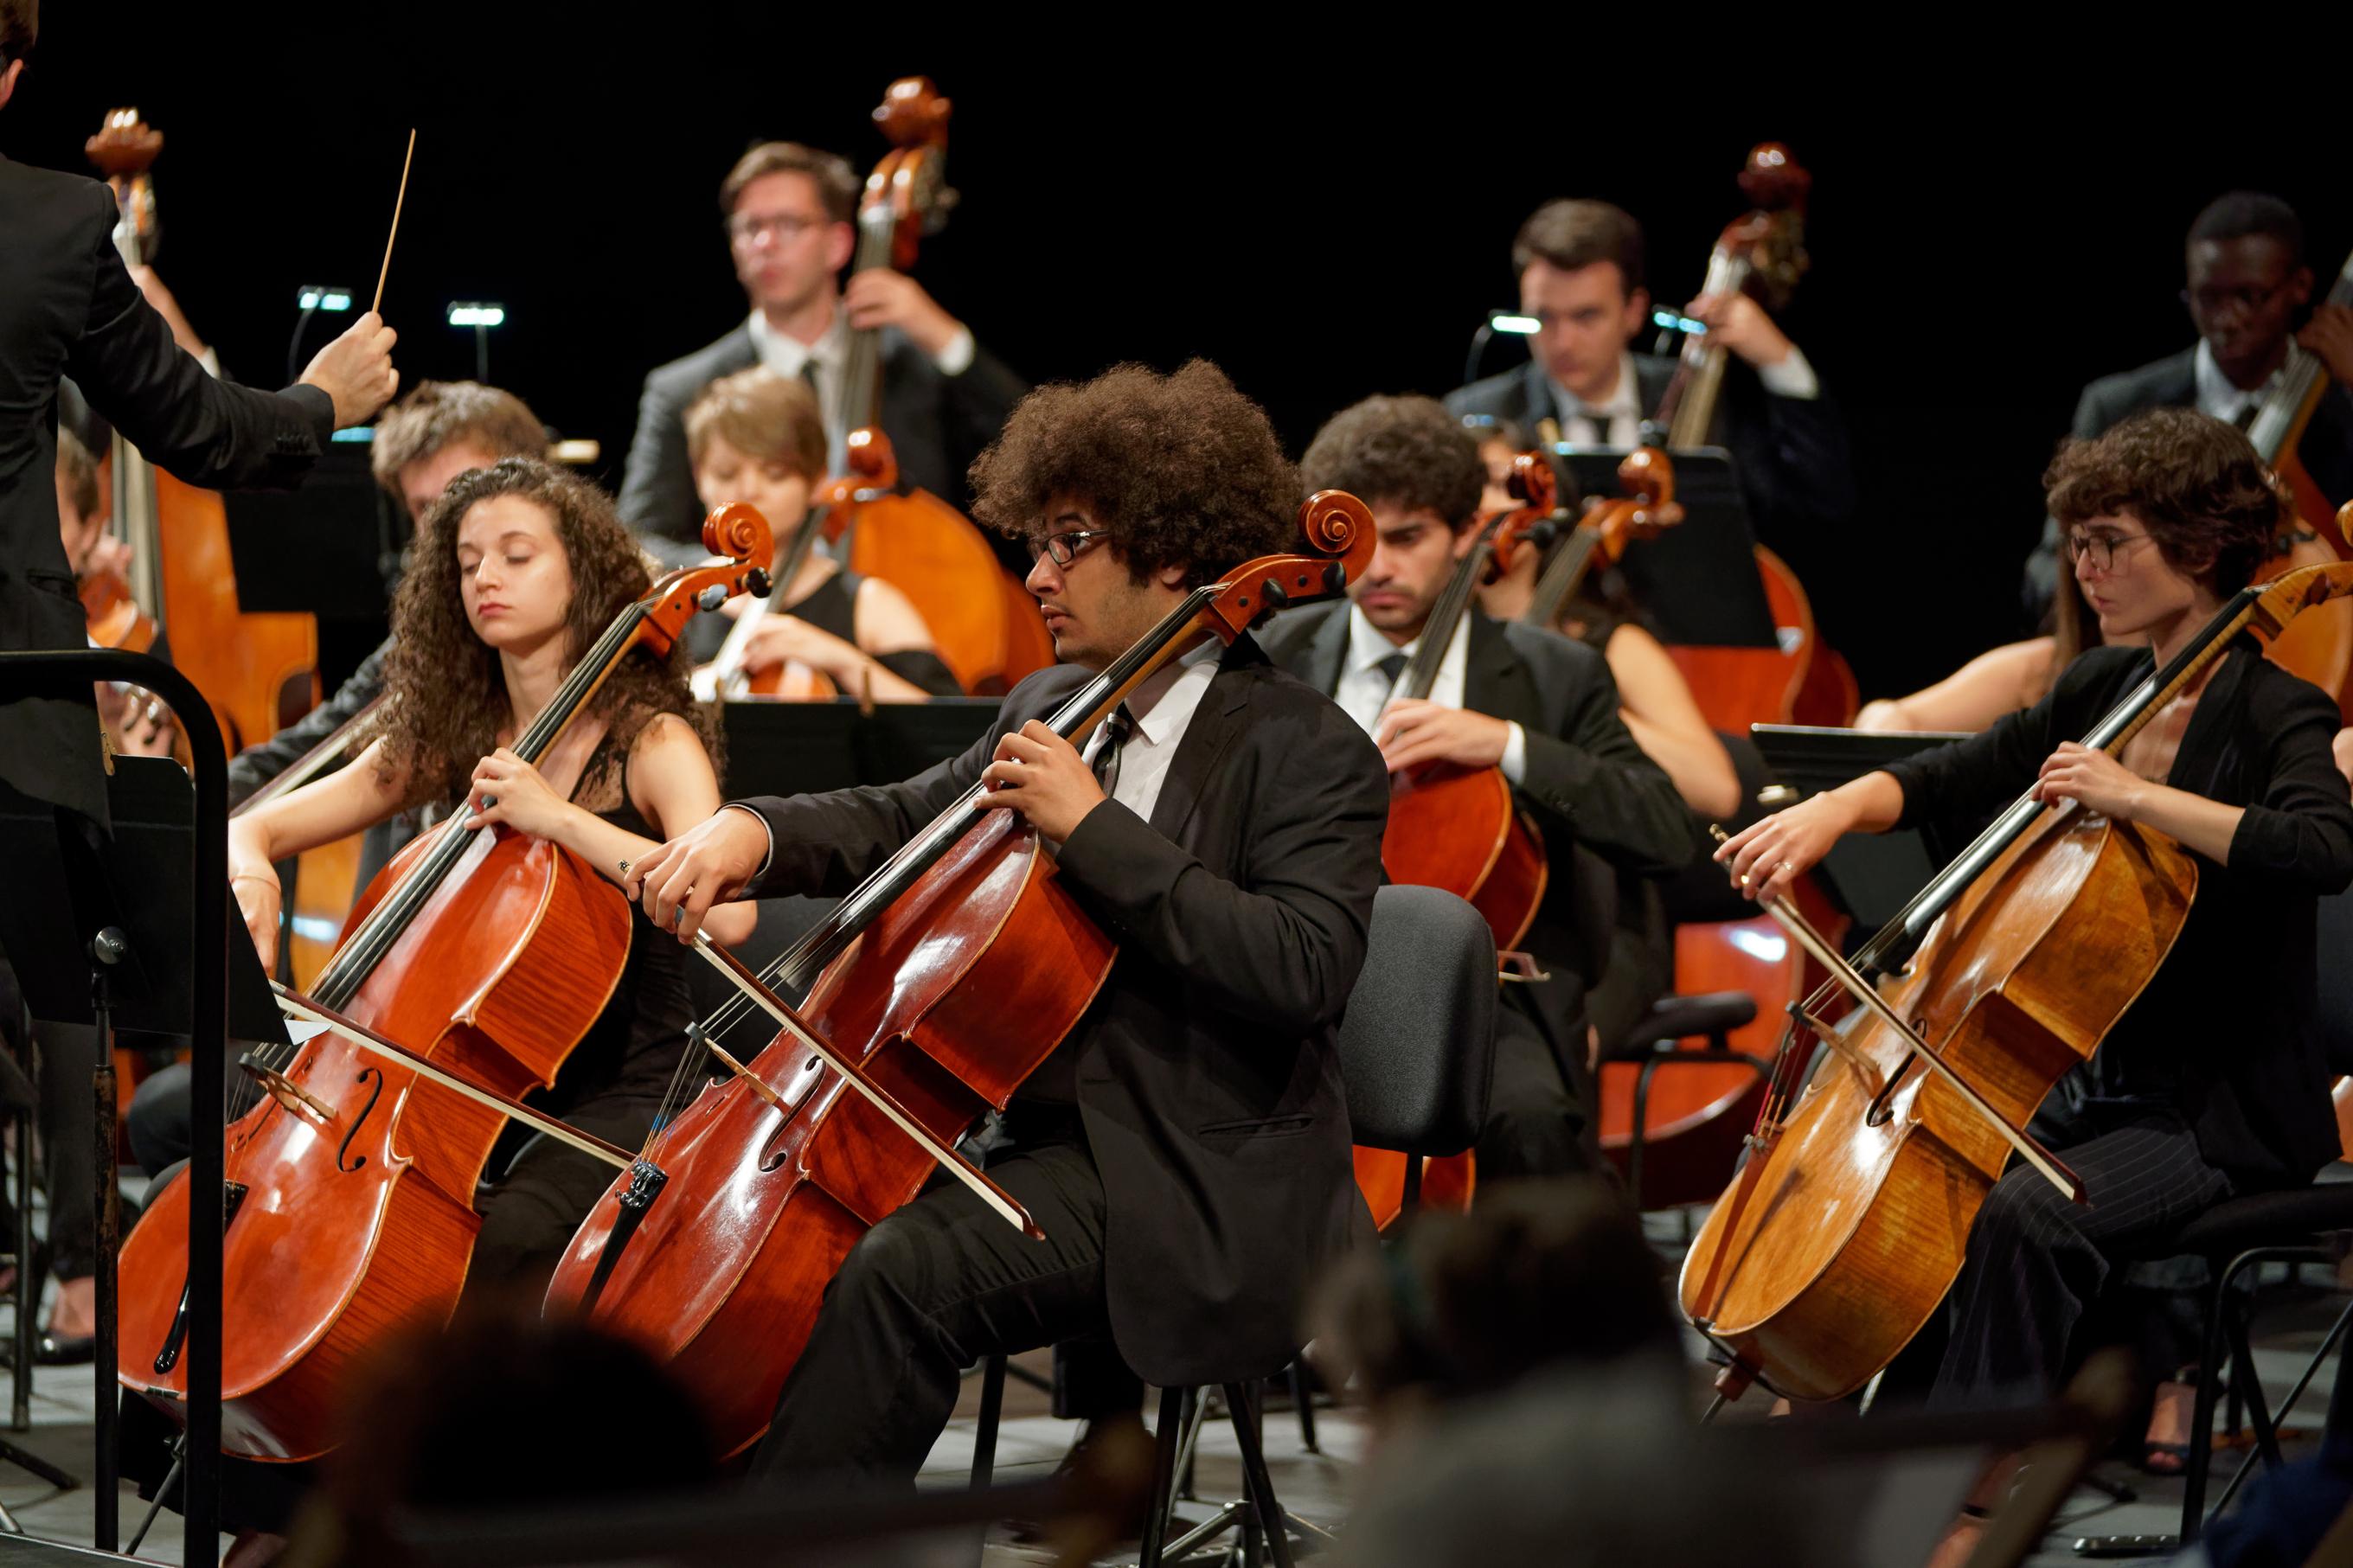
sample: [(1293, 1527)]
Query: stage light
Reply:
[(1676, 323), (1512, 322), (323, 297), (475, 313)]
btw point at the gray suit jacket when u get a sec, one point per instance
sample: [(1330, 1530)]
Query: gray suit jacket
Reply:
[(937, 425)]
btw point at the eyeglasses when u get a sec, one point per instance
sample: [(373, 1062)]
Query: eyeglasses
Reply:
[(745, 228), (1066, 547), (2102, 548), (2212, 301)]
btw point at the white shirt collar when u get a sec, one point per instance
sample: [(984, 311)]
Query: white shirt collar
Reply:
[(1367, 646), (1163, 704), (1625, 399), (784, 353), (2221, 397)]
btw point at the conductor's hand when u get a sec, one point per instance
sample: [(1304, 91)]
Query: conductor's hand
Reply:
[(1039, 773), (258, 899), (711, 864), (355, 369), (1765, 858)]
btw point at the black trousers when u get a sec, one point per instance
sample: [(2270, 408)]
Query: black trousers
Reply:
[(1540, 1121), (933, 1289), (2037, 1264)]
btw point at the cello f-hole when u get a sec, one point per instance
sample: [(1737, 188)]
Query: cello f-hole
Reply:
[(360, 1120), (771, 1156), (1881, 1108)]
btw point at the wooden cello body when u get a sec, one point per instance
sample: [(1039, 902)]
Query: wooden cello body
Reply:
[(1854, 1230), (349, 1221), (946, 979), (953, 997), (351, 1179), (1849, 1221)]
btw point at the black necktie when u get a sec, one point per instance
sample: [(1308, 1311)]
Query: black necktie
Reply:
[(2245, 417), (1115, 730), (1600, 420), (1392, 668)]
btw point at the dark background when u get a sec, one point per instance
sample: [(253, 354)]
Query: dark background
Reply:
[(1324, 222)]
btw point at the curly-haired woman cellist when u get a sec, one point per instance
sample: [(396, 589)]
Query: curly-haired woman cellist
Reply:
[(518, 569), (2212, 1083)]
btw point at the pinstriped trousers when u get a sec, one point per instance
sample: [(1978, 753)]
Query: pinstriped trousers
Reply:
[(2036, 1262)]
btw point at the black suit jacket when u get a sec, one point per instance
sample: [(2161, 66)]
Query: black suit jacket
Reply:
[(1796, 468), (937, 425), (1209, 1073), (68, 307), (2326, 449), (1603, 805)]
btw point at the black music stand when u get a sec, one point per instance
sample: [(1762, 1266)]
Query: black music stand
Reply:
[(96, 931), (1698, 579), (66, 673), (1870, 876), (803, 748)]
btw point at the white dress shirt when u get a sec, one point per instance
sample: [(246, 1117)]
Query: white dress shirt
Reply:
[(1161, 707), (2218, 397), (785, 354), (1364, 690), (1793, 378)]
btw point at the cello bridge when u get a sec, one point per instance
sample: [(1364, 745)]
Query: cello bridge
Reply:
[(286, 1091)]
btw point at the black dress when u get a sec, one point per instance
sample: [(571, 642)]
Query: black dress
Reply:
[(2213, 1082), (832, 606)]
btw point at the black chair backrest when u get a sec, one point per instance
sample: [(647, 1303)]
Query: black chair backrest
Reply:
[(1417, 1042), (2335, 941)]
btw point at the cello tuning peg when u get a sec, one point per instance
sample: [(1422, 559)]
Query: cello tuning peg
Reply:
[(711, 598)]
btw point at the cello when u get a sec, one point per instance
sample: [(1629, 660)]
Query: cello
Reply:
[(1600, 536), (1462, 829), (945, 978), (988, 630), (349, 1182), (258, 671), (1848, 1224)]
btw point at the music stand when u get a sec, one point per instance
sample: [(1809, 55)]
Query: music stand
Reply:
[(806, 748), (203, 935), (1872, 876), (1698, 579)]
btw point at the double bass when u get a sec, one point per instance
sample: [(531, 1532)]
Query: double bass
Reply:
[(944, 980), (351, 1175), (1761, 253), (1849, 1223), (988, 630), (2320, 646), (260, 671)]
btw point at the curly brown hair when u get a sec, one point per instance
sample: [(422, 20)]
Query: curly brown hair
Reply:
[(1405, 452), (1183, 469), (2215, 508), (449, 696)]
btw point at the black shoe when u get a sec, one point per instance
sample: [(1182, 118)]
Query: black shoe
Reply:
[(64, 1349)]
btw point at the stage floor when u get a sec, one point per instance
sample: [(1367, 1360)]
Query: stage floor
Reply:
[(1315, 1486)]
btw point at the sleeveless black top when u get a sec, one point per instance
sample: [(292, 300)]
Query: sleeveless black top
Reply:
[(631, 1049), (832, 606)]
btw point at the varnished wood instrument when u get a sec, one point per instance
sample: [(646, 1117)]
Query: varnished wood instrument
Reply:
[(946, 977), (985, 627), (1849, 1223), (351, 1176)]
